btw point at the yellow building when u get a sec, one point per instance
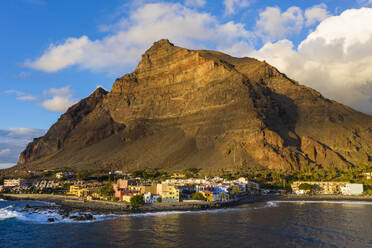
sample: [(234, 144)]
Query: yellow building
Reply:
[(74, 189), (328, 188), (168, 193), (208, 195), (144, 188), (80, 191), (178, 175), (97, 195)]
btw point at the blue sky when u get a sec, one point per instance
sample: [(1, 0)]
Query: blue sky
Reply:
[(54, 53)]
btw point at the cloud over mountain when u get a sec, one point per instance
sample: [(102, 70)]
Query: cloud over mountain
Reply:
[(13, 141), (145, 24), (335, 59)]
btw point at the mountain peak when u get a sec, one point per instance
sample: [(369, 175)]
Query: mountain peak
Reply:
[(99, 92), (161, 44), (186, 108)]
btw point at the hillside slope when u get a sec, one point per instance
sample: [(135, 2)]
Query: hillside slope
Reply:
[(185, 108)]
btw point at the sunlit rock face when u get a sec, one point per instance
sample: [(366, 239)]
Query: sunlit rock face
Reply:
[(185, 108)]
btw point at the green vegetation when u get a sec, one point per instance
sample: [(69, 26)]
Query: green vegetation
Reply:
[(150, 174), (159, 199), (306, 186), (191, 172), (107, 190), (197, 196), (281, 179), (137, 201), (82, 175), (66, 186), (235, 190)]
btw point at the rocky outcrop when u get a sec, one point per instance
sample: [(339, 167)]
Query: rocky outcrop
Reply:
[(195, 108)]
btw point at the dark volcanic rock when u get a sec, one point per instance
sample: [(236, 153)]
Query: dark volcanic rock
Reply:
[(194, 108), (83, 217)]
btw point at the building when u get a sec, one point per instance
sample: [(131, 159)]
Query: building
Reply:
[(152, 188), (368, 175), (62, 175), (168, 192), (80, 191), (15, 183), (122, 183), (150, 198), (328, 188), (221, 194), (178, 175), (208, 195), (125, 194), (352, 189)]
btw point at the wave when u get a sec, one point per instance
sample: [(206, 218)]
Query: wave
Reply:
[(269, 204), (2, 199), (327, 202), (42, 216), (6, 213)]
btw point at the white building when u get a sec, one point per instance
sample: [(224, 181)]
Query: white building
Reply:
[(62, 175), (149, 198), (15, 183), (352, 189)]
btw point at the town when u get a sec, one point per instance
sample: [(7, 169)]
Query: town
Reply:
[(139, 188)]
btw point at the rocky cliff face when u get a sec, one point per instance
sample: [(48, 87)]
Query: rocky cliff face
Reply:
[(194, 108)]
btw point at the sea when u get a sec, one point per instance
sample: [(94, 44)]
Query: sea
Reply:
[(265, 224)]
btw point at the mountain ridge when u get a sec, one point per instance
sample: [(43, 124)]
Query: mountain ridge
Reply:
[(184, 108)]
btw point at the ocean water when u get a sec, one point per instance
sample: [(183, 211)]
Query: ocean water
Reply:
[(270, 224)]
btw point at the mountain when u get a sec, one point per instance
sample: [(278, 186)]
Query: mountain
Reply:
[(184, 108)]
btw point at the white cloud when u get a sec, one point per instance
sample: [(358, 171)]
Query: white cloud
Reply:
[(365, 2), (13, 141), (335, 59), (6, 165), (231, 6), (145, 24), (5, 151), (60, 56), (274, 24), (316, 14), (24, 132), (21, 95), (195, 3), (58, 100)]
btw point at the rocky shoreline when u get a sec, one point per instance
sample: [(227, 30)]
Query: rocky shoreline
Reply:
[(68, 206), (74, 209)]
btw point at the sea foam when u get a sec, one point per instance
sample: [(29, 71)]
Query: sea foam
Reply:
[(6, 213), (42, 216)]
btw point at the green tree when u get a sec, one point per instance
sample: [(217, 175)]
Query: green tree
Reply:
[(235, 190), (191, 172), (107, 189), (198, 196), (137, 201), (82, 175), (306, 186), (159, 199)]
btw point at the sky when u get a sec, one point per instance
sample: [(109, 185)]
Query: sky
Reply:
[(54, 53)]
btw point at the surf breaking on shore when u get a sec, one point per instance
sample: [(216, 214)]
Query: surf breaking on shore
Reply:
[(34, 214)]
